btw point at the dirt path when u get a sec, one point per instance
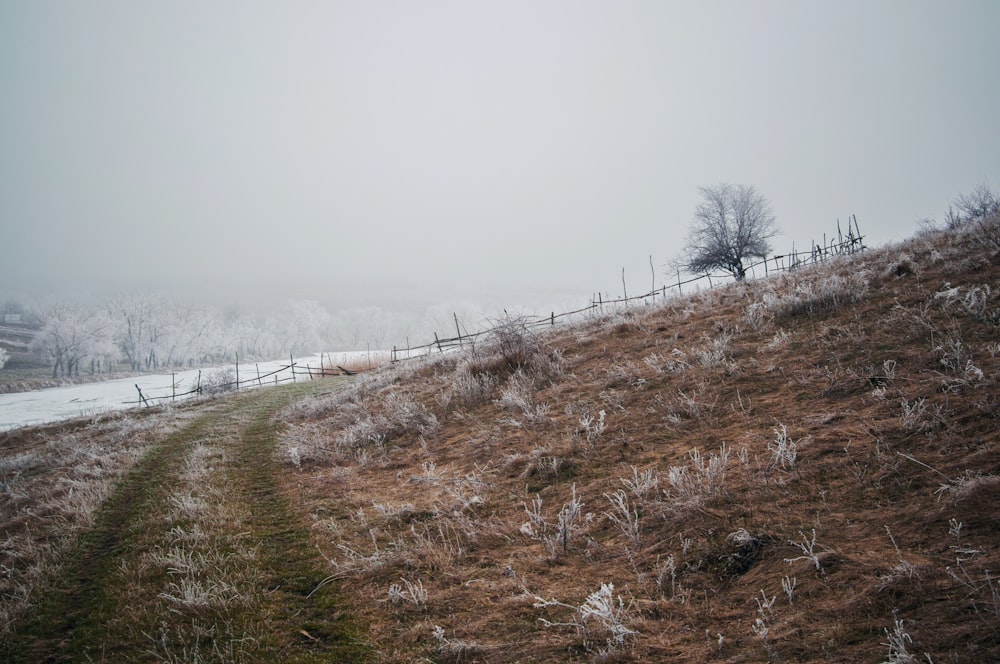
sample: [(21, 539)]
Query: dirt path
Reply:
[(196, 557)]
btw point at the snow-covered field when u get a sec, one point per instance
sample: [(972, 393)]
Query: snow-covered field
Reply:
[(59, 403)]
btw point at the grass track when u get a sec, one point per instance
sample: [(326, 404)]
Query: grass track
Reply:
[(93, 614)]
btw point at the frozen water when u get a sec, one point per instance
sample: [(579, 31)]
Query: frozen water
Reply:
[(60, 403)]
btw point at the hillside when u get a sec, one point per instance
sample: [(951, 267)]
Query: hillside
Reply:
[(797, 469), (804, 468)]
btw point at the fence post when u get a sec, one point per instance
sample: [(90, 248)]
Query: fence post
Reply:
[(140, 395), (259, 383), (291, 365), (237, 371), (438, 342), (198, 389), (173, 386), (458, 329)]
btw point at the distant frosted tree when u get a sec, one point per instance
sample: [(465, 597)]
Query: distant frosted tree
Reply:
[(136, 330), (69, 335), (4, 356), (732, 224)]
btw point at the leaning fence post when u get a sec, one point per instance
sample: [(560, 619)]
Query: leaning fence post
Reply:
[(291, 365), (140, 395)]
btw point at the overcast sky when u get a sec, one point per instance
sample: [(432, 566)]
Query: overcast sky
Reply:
[(509, 152)]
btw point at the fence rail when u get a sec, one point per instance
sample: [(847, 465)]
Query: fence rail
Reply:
[(257, 379), (842, 244)]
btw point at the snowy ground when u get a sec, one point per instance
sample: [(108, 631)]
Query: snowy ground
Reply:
[(59, 403)]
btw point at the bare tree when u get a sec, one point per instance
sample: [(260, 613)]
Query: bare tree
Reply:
[(733, 223), (977, 204)]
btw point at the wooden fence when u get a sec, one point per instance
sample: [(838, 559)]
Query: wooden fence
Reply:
[(294, 370), (842, 244)]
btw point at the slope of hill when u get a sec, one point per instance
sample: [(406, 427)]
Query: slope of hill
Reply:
[(799, 469)]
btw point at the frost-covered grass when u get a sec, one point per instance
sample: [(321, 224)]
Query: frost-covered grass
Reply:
[(53, 481), (694, 462)]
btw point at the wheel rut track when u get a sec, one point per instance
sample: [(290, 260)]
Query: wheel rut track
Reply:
[(70, 618), (67, 612)]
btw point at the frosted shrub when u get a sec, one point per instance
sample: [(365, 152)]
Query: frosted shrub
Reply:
[(307, 442), (363, 432), (808, 548), (758, 315), (957, 363), (714, 353), (387, 417), (405, 414), (976, 302), (912, 416), (413, 592), (642, 484), (623, 515), (569, 515), (703, 479), (218, 381), (559, 534), (601, 616), (472, 389), (592, 429), (783, 449), (518, 395), (511, 345), (818, 294), (898, 643)]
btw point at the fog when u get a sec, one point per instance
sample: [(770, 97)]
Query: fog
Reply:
[(502, 154)]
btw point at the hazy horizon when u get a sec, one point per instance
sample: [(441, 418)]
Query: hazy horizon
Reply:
[(497, 153)]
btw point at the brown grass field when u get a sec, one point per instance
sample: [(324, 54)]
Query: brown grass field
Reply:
[(798, 469)]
